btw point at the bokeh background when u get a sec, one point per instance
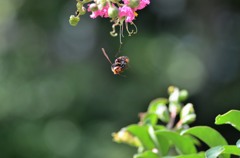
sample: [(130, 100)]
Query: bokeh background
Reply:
[(59, 98)]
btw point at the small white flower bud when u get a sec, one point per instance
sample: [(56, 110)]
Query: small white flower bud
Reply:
[(112, 12), (134, 3)]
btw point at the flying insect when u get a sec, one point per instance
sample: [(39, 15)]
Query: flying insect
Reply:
[(120, 64)]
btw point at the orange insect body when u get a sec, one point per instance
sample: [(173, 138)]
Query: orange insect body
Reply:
[(119, 65)]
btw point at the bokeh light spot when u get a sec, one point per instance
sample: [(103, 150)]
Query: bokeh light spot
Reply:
[(185, 69)]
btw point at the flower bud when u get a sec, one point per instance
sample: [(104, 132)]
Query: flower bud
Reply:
[(174, 95), (100, 1), (93, 7), (162, 113), (73, 20), (101, 5), (186, 110), (82, 11), (124, 136), (183, 95), (79, 5), (86, 1), (133, 3), (171, 89), (188, 119), (112, 12), (187, 114)]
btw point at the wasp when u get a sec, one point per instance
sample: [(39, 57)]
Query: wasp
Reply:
[(120, 64)]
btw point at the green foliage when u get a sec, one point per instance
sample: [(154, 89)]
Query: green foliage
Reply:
[(183, 144), (146, 154), (231, 117), (173, 138), (224, 150), (206, 134)]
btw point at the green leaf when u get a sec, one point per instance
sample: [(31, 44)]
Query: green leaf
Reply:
[(219, 150), (150, 119), (206, 134), (232, 149), (141, 132), (159, 127), (183, 144), (195, 140), (151, 143), (164, 144), (197, 155), (232, 117), (146, 154), (153, 136)]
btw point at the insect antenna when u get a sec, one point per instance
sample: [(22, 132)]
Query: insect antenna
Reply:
[(105, 54)]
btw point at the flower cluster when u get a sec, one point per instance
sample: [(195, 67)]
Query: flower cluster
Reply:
[(120, 12)]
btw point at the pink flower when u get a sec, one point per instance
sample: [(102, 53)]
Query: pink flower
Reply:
[(126, 12), (143, 4), (102, 13)]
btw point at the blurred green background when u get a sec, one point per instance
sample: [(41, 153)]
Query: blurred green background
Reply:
[(59, 98)]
